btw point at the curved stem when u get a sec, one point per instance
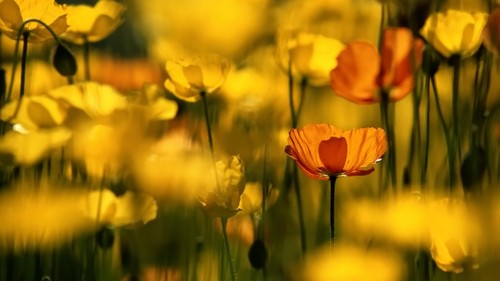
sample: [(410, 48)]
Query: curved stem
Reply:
[(333, 179), (290, 95), (228, 251), (451, 157), (24, 58)]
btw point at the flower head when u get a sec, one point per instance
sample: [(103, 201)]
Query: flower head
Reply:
[(322, 151), (14, 12), (453, 232), (491, 32), (312, 56), (454, 32), (362, 71), (93, 23), (189, 78), (224, 199)]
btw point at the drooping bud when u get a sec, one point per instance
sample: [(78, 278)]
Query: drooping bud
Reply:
[(472, 169), (257, 254), (105, 237), (64, 61)]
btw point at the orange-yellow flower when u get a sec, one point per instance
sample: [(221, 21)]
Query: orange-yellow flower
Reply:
[(322, 151), (362, 70), (491, 32)]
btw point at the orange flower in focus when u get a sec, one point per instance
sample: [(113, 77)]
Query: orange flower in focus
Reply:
[(322, 151), (362, 70)]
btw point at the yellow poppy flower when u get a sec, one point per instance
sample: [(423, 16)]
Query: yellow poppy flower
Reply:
[(188, 78), (347, 262), (93, 23), (34, 112), (452, 234), (151, 102), (40, 218), (117, 211), (224, 198), (28, 148), (312, 56), (14, 12), (95, 99), (454, 32)]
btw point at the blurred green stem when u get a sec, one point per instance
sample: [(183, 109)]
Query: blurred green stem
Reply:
[(333, 180), (425, 161), (228, 251), (384, 111), (457, 150), (451, 161)]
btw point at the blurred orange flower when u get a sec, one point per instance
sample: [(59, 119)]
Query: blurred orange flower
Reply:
[(362, 70), (321, 150), (491, 32)]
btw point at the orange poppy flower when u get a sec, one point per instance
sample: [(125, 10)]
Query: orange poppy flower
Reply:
[(361, 70), (322, 151)]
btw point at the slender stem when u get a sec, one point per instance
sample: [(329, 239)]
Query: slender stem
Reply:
[(86, 57), (423, 175), (455, 104), (416, 136), (24, 59), (298, 195), (451, 158), (228, 251), (290, 95), (210, 139), (303, 88), (333, 179), (391, 139)]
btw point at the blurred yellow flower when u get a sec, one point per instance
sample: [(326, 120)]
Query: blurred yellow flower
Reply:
[(454, 32), (251, 199), (96, 100), (27, 148), (224, 198), (312, 56), (14, 12), (346, 262), (403, 220), (34, 112), (40, 219), (151, 101), (189, 78), (129, 209), (93, 23), (454, 235)]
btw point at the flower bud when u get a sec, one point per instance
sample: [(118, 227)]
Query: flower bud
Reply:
[(473, 168), (257, 254), (64, 61), (105, 237)]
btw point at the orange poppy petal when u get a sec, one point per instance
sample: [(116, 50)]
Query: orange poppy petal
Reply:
[(307, 170), (333, 154), (360, 172), (355, 77), (365, 146)]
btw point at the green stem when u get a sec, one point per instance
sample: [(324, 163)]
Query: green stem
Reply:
[(333, 180), (228, 251), (455, 108), (391, 139), (451, 158), (210, 139), (303, 240), (290, 95), (423, 175), (86, 57), (416, 136)]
